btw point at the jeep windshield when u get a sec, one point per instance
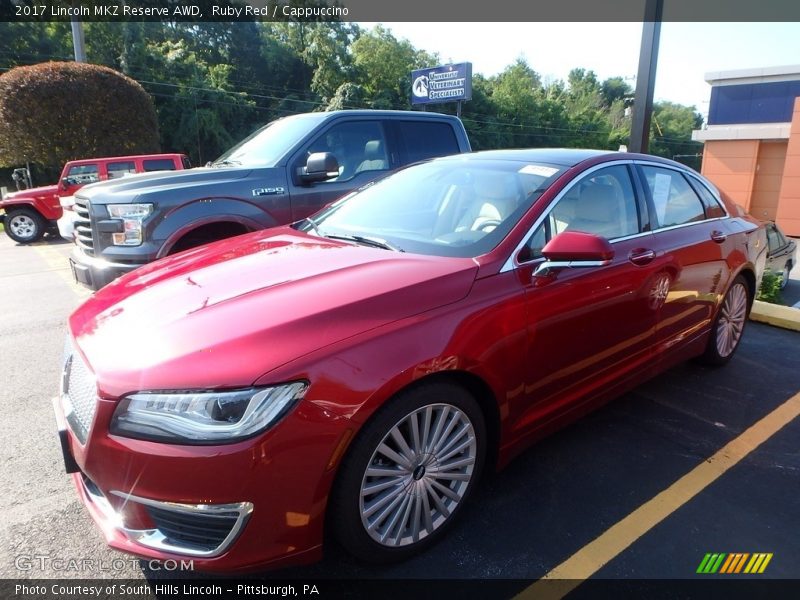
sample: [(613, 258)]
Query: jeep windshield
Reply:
[(266, 146)]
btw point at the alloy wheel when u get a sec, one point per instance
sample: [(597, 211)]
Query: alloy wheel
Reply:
[(418, 475), (732, 319)]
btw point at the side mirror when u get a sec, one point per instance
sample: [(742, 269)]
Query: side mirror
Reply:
[(66, 182), (575, 249), (319, 167)]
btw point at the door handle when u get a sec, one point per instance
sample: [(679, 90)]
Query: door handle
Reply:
[(641, 256), (718, 236)]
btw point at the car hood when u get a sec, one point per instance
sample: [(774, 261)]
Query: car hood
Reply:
[(128, 189), (225, 314), (45, 190)]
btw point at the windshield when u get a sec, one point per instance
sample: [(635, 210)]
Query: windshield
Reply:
[(458, 208), (266, 146)]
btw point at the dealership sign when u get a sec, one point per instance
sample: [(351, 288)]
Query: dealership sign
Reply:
[(445, 83)]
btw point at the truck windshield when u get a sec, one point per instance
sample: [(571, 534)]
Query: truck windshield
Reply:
[(266, 146)]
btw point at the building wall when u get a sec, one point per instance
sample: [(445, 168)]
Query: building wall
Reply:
[(767, 180), (731, 166), (788, 213)]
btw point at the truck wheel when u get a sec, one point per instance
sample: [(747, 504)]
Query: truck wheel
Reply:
[(24, 225)]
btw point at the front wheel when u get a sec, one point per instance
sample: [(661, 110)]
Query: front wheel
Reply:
[(728, 326), (409, 473), (24, 225)]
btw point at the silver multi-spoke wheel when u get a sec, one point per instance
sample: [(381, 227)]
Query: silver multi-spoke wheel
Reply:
[(418, 475), (733, 315)]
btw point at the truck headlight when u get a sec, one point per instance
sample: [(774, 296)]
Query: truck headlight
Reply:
[(132, 216), (204, 417)]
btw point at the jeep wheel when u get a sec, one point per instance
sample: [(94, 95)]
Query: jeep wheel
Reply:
[(24, 225)]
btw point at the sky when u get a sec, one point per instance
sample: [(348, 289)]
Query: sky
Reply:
[(687, 51)]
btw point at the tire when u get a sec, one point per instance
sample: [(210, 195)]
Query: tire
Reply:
[(409, 511), (24, 225), (728, 326), (787, 268)]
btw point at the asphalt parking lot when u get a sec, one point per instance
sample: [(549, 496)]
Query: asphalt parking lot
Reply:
[(609, 491)]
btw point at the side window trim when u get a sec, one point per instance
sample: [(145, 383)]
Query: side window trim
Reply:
[(696, 184), (512, 263)]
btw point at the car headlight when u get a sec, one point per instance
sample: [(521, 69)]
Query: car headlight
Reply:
[(132, 216), (204, 417)]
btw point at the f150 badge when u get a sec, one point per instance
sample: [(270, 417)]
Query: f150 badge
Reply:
[(269, 191)]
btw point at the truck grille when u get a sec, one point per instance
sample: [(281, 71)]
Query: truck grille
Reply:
[(78, 393), (83, 226)]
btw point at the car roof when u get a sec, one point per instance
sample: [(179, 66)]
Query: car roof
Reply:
[(83, 161), (565, 157)]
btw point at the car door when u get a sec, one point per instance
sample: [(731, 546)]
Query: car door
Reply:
[(360, 147), (779, 249), (692, 248), (589, 327)]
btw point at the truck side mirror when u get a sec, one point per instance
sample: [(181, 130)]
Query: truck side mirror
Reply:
[(319, 167), (66, 182)]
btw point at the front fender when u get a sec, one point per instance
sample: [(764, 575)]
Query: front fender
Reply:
[(180, 221)]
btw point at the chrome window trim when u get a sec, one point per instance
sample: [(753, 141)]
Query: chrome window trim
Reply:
[(511, 263), (714, 191)]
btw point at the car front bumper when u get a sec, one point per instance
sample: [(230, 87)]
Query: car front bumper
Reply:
[(251, 505)]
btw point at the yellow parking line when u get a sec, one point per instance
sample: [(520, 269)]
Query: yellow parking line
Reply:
[(592, 557), (60, 264)]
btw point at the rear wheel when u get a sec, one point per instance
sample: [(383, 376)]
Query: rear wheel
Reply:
[(409, 473), (728, 326), (24, 225)]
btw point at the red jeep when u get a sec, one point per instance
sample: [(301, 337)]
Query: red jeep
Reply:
[(29, 213)]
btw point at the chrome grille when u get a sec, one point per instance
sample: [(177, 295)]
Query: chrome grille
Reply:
[(78, 394), (83, 225)]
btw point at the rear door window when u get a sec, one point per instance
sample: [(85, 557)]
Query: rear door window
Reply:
[(419, 140), (120, 168), (674, 200), (158, 164)]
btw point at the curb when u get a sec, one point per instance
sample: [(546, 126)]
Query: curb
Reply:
[(775, 314)]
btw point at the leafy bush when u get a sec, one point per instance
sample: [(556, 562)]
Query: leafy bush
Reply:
[(58, 111), (770, 290)]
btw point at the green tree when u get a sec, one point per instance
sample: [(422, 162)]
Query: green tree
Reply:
[(54, 112), (671, 131), (383, 67)]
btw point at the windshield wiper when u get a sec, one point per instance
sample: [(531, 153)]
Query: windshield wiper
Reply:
[(226, 163), (365, 240), (314, 226)]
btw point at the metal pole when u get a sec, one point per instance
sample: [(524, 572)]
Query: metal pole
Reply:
[(458, 109), (646, 77), (78, 44)]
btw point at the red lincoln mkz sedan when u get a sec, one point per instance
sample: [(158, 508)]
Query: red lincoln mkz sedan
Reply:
[(356, 371)]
